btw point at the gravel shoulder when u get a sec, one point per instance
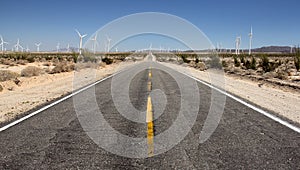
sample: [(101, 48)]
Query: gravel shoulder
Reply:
[(284, 102)]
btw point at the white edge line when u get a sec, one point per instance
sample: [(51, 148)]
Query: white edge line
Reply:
[(55, 103), (269, 115)]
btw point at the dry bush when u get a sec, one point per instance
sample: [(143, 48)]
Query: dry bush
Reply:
[(31, 71), (7, 75), (47, 64), (7, 62), (22, 62), (63, 67), (1, 88), (80, 66)]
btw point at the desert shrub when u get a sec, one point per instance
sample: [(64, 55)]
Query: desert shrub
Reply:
[(31, 71), (47, 64), (7, 75), (265, 63), (184, 58), (81, 65), (297, 59), (197, 60), (63, 67), (224, 64), (215, 62), (8, 62), (282, 75), (248, 64), (22, 62), (242, 58), (107, 60), (1, 88), (253, 63), (236, 61), (30, 59)]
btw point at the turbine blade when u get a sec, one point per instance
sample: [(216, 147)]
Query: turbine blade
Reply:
[(78, 32)]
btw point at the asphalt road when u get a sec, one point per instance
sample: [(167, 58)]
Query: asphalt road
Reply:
[(60, 138)]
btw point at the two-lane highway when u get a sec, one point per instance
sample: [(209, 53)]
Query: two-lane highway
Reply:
[(58, 137)]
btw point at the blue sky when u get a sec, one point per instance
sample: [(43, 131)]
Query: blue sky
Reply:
[(274, 22)]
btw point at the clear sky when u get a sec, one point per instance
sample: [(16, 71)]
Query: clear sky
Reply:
[(274, 22)]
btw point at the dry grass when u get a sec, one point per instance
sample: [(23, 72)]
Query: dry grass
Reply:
[(22, 62), (89, 64), (63, 67), (6, 75), (31, 71)]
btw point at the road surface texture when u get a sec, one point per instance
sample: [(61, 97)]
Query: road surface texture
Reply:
[(244, 139)]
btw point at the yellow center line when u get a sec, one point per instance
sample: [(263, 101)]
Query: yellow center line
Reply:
[(149, 119), (150, 132)]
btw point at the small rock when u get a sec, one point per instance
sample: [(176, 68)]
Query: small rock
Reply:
[(295, 78), (201, 66), (17, 81)]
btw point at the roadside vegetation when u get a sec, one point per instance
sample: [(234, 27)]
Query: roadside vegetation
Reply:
[(275, 68), (36, 64)]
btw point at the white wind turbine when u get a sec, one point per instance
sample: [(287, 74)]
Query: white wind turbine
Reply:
[(95, 43), (80, 42), (38, 46), (18, 45), (68, 48), (250, 40), (2, 43), (27, 49), (108, 43), (57, 47), (237, 45)]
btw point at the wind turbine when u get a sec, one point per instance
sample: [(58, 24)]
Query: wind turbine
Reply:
[(38, 46), (68, 48), (95, 43), (57, 47), (2, 43), (250, 39), (80, 42), (237, 45), (108, 43), (27, 49), (18, 45)]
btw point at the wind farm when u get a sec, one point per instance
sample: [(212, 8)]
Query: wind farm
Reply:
[(193, 85)]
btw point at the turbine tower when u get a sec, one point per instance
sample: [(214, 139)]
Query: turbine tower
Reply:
[(57, 47), (2, 43), (237, 45), (27, 49), (80, 42), (68, 48), (18, 45), (108, 43), (250, 39), (38, 46), (95, 43)]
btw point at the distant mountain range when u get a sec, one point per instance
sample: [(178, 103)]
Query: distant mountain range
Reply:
[(274, 49)]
